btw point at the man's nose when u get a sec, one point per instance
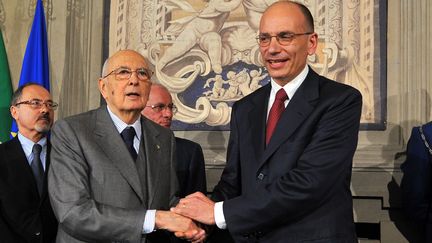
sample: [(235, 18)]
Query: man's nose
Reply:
[(44, 108), (133, 79), (167, 112), (274, 45)]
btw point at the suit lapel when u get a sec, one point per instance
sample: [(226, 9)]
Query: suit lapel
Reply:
[(298, 109), (257, 120), (153, 157), (22, 167), (47, 163), (108, 138)]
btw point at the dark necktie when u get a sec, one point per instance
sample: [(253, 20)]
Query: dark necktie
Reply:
[(128, 135), (36, 166), (275, 113)]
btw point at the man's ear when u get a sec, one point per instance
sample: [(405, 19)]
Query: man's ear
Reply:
[(14, 112), (313, 43), (102, 87)]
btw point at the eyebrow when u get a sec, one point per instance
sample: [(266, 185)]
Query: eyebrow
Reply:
[(279, 33), (40, 99), (126, 67), (158, 104)]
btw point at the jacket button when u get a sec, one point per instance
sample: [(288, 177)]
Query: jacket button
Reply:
[(261, 176), (37, 233)]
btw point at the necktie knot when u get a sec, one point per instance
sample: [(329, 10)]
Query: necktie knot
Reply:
[(281, 95), (128, 135), (37, 148)]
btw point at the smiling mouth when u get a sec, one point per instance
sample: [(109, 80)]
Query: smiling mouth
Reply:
[(275, 61)]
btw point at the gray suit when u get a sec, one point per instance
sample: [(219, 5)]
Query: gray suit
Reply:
[(97, 191)]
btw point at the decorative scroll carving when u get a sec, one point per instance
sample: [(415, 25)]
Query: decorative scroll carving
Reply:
[(205, 53)]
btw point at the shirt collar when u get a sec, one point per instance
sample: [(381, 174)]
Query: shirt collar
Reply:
[(27, 144), (292, 86), (121, 125)]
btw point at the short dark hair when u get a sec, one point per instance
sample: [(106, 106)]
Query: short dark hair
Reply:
[(308, 16), (16, 96)]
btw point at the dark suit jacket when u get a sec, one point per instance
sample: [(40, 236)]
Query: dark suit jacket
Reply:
[(417, 180), (190, 167), (24, 216), (298, 187)]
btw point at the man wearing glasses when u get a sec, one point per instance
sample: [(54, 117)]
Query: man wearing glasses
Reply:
[(112, 175), (291, 146), (25, 210), (190, 166)]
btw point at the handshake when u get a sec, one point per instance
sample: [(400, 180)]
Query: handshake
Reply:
[(186, 218)]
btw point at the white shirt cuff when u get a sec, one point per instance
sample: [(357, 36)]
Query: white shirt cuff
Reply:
[(219, 215), (149, 221)]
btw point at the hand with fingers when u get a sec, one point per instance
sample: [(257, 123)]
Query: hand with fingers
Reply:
[(197, 207), (182, 227)]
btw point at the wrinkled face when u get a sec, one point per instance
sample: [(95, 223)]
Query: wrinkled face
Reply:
[(285, 62), (33, 122), (159, 96), (128, 96)]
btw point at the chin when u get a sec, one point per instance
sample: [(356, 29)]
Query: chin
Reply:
[(139, 107), (43, 128), (167, 125)]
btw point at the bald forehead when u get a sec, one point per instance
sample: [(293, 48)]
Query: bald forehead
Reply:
[(126, 53), (280, 7), (157, 89), (124, 58), (284, 8)]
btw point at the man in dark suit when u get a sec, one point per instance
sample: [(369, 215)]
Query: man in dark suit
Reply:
[(291, 146), (190, 165), (25, 210), (417, 181), (112, 175)]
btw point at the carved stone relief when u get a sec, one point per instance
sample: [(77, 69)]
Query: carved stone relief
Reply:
[(206, 54)]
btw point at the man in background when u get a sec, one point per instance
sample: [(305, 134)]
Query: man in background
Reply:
[(190, 160), (416, 182), (190, 165), (25, 211), (112, 175)]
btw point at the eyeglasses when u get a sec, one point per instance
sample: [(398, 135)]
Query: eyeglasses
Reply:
[(37, 104), (283, 38), (160, 107), (143, 74)]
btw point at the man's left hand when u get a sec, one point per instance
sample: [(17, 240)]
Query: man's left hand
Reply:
[(197, 207)]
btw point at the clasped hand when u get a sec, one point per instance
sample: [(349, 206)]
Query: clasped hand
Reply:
[(197, 207), (182, 227), (180, 219)]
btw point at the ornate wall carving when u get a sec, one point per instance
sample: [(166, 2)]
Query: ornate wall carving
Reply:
[(207, 56)]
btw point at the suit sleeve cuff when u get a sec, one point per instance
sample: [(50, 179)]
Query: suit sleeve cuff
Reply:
[(219, 215), (149, 221)]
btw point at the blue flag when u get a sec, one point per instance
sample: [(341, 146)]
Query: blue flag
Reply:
[(35, 66)]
